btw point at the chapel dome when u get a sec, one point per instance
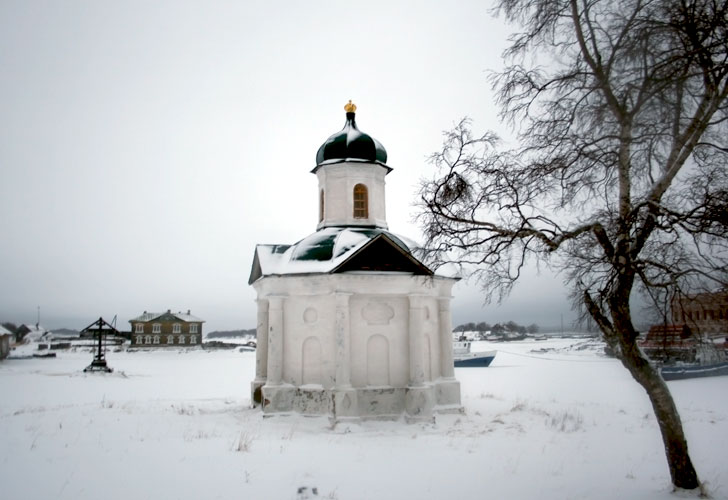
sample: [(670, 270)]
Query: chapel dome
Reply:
[(350, 143)]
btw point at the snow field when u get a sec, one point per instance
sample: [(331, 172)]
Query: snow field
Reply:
[(547, 420)]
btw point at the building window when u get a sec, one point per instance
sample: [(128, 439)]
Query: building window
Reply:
[(361, 202), (193, 328), (138, 339), (170, 339), (156, 339), (139, 328), (148, 339), (176, 328), (321, 206), (156, 328), (181, 339), (193, 339)]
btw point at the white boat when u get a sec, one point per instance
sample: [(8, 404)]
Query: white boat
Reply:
[(464, 358)]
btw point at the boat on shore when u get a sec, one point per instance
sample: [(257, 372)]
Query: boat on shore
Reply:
[(463, 358), (681, 354), (682, 372)]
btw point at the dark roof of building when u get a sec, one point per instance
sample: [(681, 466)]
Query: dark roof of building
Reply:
[(167, 316), (338, 250), (350, 143)]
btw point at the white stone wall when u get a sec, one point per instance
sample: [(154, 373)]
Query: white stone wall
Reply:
[(338, 180), (380, 343), (308, 348)]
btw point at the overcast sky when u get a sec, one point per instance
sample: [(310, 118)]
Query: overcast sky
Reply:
[(146, 147)]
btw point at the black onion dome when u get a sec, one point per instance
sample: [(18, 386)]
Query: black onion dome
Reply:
[(351, 143)]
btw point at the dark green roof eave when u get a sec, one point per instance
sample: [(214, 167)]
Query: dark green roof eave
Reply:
[(357, 273), (351, 160)]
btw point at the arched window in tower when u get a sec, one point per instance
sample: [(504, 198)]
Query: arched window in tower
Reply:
[(361, 202), (321, 206)]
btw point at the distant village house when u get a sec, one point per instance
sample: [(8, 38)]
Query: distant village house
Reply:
[(30, 333), (6, 337), (166, 329)]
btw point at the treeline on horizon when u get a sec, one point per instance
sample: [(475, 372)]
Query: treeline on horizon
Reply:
[(218, 334), (510, 326)]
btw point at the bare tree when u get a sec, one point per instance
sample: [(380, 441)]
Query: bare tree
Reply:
[(482, 327), (619, 177)]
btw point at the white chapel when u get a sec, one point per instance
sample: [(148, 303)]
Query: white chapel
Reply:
[(350, 323)]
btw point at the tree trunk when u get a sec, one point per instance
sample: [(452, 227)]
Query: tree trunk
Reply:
[(682, 471), (681, 467)]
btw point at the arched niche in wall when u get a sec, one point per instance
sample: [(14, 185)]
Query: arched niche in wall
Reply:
[(428, 358), (378, 361), (311, 361)]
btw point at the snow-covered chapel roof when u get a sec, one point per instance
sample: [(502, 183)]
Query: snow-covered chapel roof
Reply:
[(337, 250)]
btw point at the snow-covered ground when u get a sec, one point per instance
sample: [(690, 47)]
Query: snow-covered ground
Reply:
[(547, 420)]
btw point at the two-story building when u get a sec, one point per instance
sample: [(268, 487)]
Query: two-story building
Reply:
[(166, 329), (704, 313)]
